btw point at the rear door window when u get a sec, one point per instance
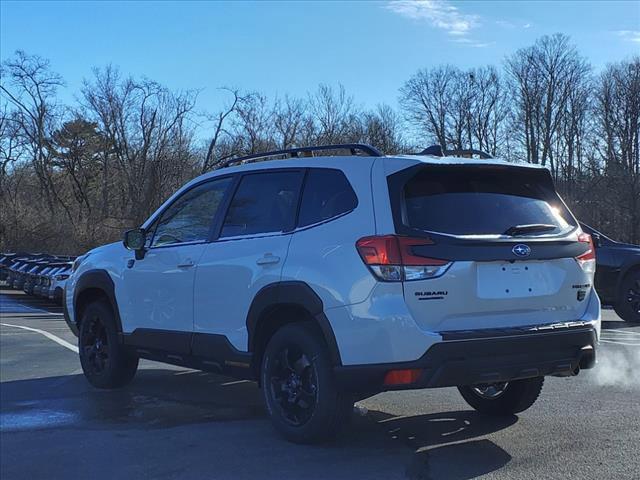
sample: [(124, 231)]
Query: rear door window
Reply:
[(327, 194), (264, 202), (481, 201)]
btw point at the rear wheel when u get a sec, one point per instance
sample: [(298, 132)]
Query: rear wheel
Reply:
[(503, 398), (628, 304), (105, 362), (298, 386)]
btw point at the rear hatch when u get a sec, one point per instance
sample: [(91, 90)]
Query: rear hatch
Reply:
[(509, 251)]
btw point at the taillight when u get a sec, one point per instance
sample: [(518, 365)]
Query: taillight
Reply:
[(587, 260), (391, 258)]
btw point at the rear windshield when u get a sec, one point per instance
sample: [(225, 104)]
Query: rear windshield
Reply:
[(482, 201)]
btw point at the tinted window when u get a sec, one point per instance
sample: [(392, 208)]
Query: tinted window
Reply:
[(189, 218), (476, 201), (327, 194), (263, 203)]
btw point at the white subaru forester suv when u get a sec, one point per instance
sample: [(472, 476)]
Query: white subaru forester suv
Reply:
[(332, 278)]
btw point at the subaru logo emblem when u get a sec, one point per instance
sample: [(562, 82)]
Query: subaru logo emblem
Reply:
[(521, 250)]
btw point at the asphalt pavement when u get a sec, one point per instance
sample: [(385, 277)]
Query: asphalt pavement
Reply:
[(175, 423)]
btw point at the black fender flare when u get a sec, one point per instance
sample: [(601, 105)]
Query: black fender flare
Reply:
[(291, 293), (97, 279)]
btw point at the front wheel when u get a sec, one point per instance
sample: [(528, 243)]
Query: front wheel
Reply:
[(628, 304), (503, 398), (105, 362), (298, 386)]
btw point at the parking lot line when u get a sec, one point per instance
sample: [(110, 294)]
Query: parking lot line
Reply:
[(50, 336)]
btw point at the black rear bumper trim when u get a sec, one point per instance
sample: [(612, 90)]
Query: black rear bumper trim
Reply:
[(483, 360)]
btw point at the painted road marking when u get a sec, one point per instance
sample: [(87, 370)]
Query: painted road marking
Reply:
[(50, 336)]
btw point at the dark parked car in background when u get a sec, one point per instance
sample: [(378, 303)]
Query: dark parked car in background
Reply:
[(617, 274)]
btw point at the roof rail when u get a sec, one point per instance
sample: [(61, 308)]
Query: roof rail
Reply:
[(295, 152), (436, 151)]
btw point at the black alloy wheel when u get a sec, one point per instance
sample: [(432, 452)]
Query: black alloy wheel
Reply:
[(298, 385), (106, 362), (628, 304), (633, 295), (95, 346), (294, 385)]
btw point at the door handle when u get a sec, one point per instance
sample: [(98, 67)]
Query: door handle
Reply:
[(188, 263), (268, 259)]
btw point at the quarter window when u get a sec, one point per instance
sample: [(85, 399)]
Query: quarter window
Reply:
[(188, 218), (264, 203), (327, 194)]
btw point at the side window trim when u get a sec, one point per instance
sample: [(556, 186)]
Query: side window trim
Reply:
[(303, 186), (232, 191), (178, 244), (221, 214), (326, 220), (158, 217)]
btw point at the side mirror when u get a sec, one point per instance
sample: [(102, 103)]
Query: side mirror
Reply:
[(134, 240), (597, 240)]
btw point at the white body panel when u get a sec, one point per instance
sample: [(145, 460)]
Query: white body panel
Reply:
[(474, 295), (158, 289), (229, 275)]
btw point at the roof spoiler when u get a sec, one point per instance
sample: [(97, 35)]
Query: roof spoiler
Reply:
[(436, 151)]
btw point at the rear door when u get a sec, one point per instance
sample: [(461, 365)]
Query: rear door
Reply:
[(510, 242), (250, 250)]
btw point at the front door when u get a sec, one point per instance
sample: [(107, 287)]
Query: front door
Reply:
[(159, 287)]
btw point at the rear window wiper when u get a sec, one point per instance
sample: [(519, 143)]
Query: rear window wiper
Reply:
[(531, 228)]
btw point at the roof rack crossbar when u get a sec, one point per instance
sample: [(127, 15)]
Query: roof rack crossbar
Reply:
[(353, 148)]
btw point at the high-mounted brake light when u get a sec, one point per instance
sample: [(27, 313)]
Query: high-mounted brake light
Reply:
[(587, 260), (391, 258)]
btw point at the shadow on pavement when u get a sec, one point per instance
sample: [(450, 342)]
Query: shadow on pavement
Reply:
[(616, 325), (443, 443), (439, 445), (157, 398), (16, 301)]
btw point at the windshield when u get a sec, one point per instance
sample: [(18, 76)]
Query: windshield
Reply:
[(483, 201)]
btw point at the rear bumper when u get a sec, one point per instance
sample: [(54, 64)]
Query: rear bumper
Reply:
[(468, 361)]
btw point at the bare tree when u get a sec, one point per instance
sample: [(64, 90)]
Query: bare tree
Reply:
[(618, 120), (289, 118), (542, 78), (383, 128), (426, 100), (219, 147), (144, 124), (27, 83), (332, 113)]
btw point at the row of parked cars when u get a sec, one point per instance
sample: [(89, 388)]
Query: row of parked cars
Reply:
[(37, 274)]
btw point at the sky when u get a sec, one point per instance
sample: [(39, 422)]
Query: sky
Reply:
[(370, 47)]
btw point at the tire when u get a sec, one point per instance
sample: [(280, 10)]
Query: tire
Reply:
[(515, 397), (105, 362), (627, 305), (299, 388)]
